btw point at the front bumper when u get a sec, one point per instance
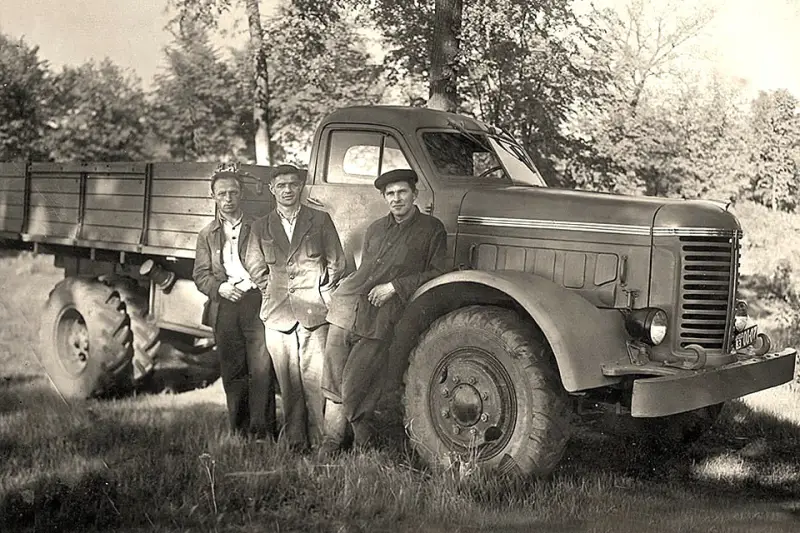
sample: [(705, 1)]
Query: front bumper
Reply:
[(686, 390)]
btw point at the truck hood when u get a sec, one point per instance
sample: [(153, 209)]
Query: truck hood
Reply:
[(621, 214)]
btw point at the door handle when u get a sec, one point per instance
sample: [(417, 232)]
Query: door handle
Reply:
[(315, 202)]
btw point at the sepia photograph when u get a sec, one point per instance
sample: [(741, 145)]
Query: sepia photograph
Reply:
[(399, 266)]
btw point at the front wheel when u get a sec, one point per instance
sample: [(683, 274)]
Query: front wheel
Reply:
[(482, 387)]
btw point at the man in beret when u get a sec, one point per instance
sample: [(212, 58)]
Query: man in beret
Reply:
[(296, 259), (401, 251), (232, 309)]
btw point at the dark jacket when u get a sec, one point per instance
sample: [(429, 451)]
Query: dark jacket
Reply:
[(208, 272), (407, 255), (295, 278)]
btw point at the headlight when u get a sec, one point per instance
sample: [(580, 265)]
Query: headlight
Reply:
[(648, 325)]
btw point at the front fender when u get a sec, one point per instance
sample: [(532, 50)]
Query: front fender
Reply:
[(582, 337)]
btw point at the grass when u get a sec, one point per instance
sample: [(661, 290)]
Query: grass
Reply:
[(166, 463)]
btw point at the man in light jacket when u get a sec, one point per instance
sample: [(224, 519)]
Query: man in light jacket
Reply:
[(295, 257)]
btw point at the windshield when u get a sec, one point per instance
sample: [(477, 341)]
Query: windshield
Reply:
[(467, 155)]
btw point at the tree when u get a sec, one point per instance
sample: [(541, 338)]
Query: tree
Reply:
[(444, 55), (521, 64), (206, 12), (776, 154), (642, 133), (98, 112), (200, 105), (646, 41), (317, 63), (24, 79)]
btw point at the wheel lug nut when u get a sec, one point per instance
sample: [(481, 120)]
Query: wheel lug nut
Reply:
[(445, 413), (456, 430), (484, 417), (456, 379), (485, 395), (445, 392), (473, 380)]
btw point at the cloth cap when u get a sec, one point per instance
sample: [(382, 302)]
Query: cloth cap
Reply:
[(393, 176)]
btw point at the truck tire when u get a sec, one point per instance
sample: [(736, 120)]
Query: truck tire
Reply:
[(86, 340), (483, 390), (145, 331)]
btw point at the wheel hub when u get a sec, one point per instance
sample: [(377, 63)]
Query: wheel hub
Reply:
[(466, 405), (472, 402), (72, 342)]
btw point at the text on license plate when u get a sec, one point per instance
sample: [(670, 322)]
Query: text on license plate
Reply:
[(745, 338)]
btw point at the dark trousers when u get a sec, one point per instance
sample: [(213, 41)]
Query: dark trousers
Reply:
[(246, 367), (352, 371), (297, 358)]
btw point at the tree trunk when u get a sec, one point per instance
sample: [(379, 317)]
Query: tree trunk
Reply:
[(261, 94), (444, 55)]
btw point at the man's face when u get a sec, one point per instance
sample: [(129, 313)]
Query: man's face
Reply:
[(286, 188), (227, 196), (400, 198)]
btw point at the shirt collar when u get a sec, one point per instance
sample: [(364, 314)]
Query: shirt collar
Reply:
[(392, 222), (232, 224), (291, 218)]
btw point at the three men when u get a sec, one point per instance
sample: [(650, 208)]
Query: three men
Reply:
[(232, 310), (402, 251), (296, 259)]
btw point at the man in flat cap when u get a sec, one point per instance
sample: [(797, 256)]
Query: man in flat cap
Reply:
[(401, 251), (296, 258)]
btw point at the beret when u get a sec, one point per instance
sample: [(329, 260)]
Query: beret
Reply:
[(393, 176)]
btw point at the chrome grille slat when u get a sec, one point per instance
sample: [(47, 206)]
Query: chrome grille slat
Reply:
[(708, 277)]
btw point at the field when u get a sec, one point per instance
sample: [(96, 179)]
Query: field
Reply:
[(166, 463)]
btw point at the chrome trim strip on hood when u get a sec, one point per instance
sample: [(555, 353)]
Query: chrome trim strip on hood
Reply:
[(595, 227), (696, 232)]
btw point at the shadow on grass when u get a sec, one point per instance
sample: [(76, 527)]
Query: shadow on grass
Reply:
[(746, 453), (55, 504)]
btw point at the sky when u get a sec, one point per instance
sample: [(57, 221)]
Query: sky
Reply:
[(757, 41)]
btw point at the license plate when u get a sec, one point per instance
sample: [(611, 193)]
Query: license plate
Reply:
[(745, 338)]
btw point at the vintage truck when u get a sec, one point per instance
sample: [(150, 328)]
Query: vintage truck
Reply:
[(558, 301)]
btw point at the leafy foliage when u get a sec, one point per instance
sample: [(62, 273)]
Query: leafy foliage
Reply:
[(315, 66), (521, 65), (201, 106), (776, 150), (98, 112), (24, 80)]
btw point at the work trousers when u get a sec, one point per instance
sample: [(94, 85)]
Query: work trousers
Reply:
[(297, 358), (246, 367), (352, 371)]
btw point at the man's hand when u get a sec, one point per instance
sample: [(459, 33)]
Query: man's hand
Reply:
[(230, 292), (380, 294)]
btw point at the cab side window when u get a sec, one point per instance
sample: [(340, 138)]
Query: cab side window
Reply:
[(358, 157)]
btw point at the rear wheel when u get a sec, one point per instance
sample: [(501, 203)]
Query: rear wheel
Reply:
[(482, 388), (145, 331), (86, 341)]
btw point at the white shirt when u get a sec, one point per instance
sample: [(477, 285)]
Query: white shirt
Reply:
[(288, 223), (231, 261)]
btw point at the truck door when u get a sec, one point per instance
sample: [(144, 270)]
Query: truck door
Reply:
[(348, 162)]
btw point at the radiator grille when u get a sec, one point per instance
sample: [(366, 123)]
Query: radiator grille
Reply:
[(709, 268)]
